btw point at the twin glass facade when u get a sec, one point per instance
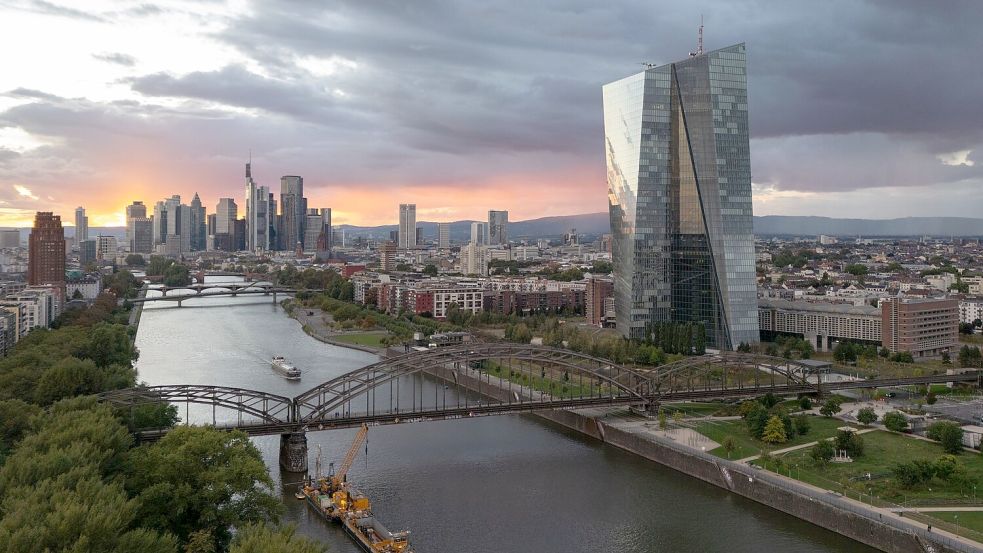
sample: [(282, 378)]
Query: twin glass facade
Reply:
[(679, 191)]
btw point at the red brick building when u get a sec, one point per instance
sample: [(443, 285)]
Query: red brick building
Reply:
[(598, 290), (924, 328), (46, 251)]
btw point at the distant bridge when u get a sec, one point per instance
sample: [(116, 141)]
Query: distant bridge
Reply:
[(217, 289), (494, 379)]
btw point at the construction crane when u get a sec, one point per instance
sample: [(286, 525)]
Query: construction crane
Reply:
[(339, 477)]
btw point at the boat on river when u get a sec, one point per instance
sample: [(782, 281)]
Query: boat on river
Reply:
[(285, 369)]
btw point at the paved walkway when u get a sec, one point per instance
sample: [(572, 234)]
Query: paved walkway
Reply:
[(800, 446), (975, 508)]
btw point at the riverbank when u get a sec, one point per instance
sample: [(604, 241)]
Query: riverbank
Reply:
[(315, 326), (136, 311), (868, 525)]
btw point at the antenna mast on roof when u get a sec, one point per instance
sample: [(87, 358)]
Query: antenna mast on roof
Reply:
[(699, 43)]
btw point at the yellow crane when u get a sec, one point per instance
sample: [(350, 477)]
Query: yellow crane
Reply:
[(338, 478)]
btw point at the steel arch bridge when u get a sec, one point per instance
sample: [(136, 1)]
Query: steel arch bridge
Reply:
[(487, 378), (491, 379)]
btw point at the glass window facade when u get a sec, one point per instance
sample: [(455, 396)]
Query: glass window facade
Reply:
[(679, 192)]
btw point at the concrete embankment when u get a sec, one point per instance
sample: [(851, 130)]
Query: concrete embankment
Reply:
[(314, 328), (137, 311), (870, 526)]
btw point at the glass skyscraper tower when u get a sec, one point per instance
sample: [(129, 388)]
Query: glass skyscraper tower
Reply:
[(679, 191)]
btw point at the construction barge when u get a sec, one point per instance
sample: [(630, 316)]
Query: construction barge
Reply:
[(335, 500)]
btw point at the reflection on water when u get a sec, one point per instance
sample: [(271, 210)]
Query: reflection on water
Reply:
[(490, 484)]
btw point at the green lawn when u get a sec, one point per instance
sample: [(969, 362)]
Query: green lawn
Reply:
[(695, 408), (882, 450), (966, 519), (747, 446), (372, 340)]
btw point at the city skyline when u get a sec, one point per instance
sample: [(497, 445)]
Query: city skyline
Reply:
[(523, 127)]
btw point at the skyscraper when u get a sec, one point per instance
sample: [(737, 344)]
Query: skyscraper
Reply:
[(498, 227), (293, 207), (407, 226), (46, 249), (479, 233), (160, 223), (134, 212), (444, 236), (226, 212), (257, 213), (679, 189), (81, 224), (197, 224)]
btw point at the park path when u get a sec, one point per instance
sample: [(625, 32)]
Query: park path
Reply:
[(800, 446)]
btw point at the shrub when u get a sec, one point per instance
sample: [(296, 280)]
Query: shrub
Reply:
[(866, 416), (822, 452), (802, 425), (830, 408), (851, 442), (896, 421), (949, 434), (805, 403)]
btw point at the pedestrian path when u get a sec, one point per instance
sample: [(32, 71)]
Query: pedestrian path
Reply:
[(798, 447)]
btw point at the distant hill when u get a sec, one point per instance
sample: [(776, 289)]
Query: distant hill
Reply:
[(544, 227), (599, 223), (906, 226)]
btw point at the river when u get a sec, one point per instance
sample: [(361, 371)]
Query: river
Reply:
[(491, 484)]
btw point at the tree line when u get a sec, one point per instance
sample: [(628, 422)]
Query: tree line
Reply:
[(73, 479)]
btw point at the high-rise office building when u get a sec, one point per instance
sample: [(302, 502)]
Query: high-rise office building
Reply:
[(258, 220), (210, 220), (293, 209), (387, 256), (106, 247), (143, 235), (88, 250), (498, 227), (679, 188), (444, 236), (226, 212), (407, 226), (479, 233), (81, 224), (160, 223), (134, 211), (197, 224), (46, 250)]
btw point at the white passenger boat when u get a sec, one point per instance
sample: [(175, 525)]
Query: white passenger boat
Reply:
[(285, 369)]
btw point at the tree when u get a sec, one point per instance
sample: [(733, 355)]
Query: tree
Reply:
[(135, 260), (257, 538), (857, 269), (756, 421), (430, 270), (896, 421), (949, 434), (849, 441), (15, 421), (729, 445), (884, 352), (866, 416), (774, 432), (930, 398), (198, 478), (830, 408), (805, 403), (663, 422), (970, 357), (822, 452), (176, 275), (802, 424), (902, 357)]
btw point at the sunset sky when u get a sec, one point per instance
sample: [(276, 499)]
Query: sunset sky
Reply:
[(857, 109)]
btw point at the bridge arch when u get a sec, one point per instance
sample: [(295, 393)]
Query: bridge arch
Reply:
[(732, 371), (604, 377), (267, 407)]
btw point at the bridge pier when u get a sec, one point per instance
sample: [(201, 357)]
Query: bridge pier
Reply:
[(293, 452), (180, 303)]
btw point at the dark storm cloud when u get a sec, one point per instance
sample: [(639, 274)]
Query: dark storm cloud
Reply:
[(117, 58), (844, 94)]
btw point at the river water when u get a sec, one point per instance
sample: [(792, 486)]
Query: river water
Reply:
[(490, 484)]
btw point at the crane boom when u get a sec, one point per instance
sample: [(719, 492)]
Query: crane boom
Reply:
[(352, 452)]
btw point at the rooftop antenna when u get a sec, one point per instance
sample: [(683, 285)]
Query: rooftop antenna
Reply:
[(699, 41), (649, 65)]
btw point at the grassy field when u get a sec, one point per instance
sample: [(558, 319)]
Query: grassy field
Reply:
[(695, 408), (372, 340), (747, 445), (882, 450), (966, 519)]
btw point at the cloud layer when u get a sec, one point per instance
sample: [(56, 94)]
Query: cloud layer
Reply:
[(465, 106)]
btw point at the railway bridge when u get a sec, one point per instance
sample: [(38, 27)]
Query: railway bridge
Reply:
[(484, 379), (191, 291)]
